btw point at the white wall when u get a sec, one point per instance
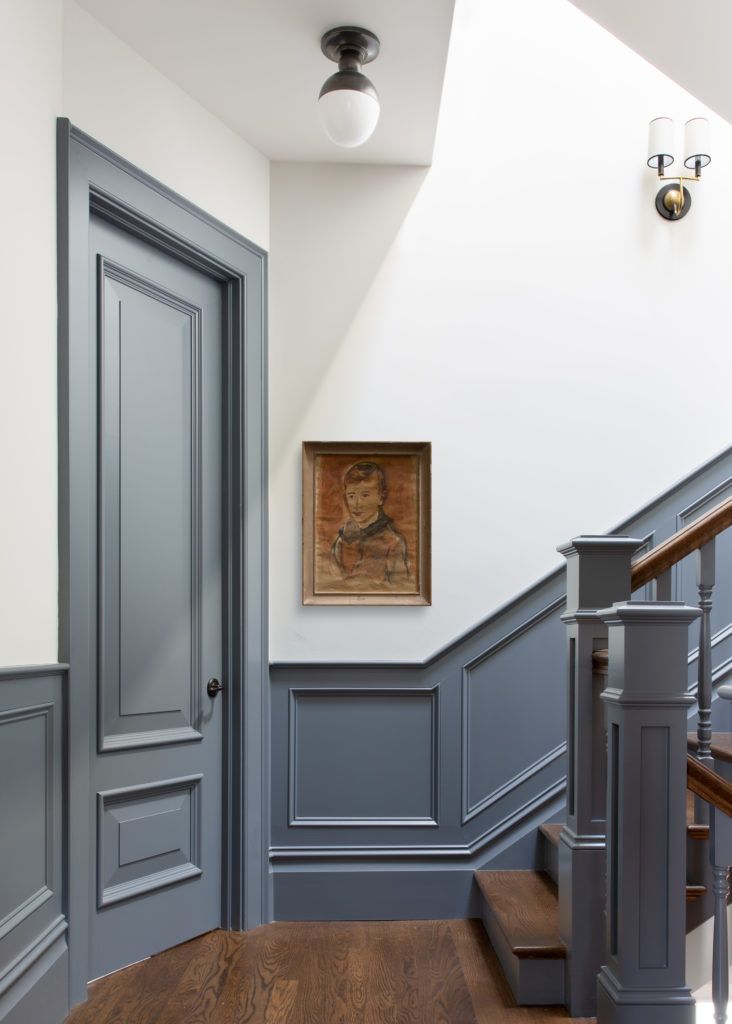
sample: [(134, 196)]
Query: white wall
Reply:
[(564, 348), (30, 99), (110, 92), (56, 60)]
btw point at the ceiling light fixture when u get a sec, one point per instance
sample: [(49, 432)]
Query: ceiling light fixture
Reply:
[(674, 201), (348, 103)]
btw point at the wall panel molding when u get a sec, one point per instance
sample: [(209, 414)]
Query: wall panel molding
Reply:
[(514, 783), (34, 951), (33, 946), (412, 852), (295, 753), (470, 810)]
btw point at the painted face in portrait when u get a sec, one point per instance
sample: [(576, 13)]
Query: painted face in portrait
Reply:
[(364, 499)]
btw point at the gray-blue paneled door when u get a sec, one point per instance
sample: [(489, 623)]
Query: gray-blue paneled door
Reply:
[(156, 770)]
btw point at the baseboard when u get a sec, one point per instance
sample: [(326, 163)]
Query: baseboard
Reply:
[(361, 894)]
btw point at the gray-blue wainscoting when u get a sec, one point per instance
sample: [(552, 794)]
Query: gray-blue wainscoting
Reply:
[(33, 923), (392, 783)]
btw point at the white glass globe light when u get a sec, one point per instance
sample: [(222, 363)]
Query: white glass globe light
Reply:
[(348, 116)]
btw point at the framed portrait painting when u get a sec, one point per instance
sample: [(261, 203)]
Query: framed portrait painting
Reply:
[(366, 522)]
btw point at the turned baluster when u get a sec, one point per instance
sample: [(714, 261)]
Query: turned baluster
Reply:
[(721, 856), (705, 583)]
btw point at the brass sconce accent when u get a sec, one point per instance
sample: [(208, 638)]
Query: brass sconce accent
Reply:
[(674, 201)]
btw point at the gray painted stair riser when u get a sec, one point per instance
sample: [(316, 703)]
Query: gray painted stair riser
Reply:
[(534, 982)]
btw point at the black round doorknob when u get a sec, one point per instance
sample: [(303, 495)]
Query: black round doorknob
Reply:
[(213, 686)]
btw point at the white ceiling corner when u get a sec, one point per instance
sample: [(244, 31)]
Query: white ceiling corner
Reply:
[(688, 42), (257, 66)]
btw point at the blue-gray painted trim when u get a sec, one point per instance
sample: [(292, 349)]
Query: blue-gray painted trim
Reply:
[(207, 220), (295, 693), (21, 671), (471, 810), (410, 892), (720, 491), (92, 176), (518, 780), (109, 270), (107, 895), (28, 907), (38, 967), (33, 952), (478, 847), (46, 710), (149, 738)]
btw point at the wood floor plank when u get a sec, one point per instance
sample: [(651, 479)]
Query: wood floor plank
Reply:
[(353, 972), (137, 994), (202, 983), (253, 992), (447, 997), (394, 984)]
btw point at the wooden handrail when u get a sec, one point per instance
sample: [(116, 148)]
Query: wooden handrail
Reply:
[(708, 785), (683, 543)]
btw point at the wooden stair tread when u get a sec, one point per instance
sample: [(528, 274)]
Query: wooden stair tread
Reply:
[(721, 745), (552, 830), (524, 905), (695, 892)]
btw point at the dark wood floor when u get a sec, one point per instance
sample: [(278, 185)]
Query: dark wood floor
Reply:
[(397, 972)]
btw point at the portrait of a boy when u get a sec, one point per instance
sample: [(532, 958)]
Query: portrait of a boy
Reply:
[(366, 523)]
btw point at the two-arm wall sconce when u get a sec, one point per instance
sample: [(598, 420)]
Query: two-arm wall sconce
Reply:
[(673, 201)]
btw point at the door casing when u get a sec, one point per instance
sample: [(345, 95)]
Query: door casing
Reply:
[(92, 178)]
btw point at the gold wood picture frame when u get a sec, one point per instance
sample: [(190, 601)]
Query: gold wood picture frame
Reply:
[(366, 522)]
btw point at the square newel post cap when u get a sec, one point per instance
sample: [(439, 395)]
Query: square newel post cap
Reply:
[(598, 571), (648, 643)]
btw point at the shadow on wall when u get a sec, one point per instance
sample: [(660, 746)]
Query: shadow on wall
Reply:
[(331, 227)]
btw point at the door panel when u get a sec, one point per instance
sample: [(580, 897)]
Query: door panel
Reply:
[(157, 772)]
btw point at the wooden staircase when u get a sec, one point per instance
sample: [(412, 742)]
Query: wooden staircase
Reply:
[(618, 866), (520, 913)]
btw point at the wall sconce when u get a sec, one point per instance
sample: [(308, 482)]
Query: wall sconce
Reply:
[(673, 201), (348, 103)]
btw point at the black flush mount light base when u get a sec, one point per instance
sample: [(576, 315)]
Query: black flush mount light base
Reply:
[(667, 211), (348, 39)]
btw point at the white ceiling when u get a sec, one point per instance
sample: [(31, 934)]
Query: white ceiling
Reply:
[(689, 42), (257, 65)]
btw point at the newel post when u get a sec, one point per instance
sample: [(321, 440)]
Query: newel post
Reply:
[(643, 978), (598, 573)]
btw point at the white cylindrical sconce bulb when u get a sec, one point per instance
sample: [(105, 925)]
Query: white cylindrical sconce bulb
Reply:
[(660, 142), (696, 142)]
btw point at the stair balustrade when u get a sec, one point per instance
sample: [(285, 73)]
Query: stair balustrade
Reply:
[(716, 792), (598, 572), (627, 829), (603, 928)]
